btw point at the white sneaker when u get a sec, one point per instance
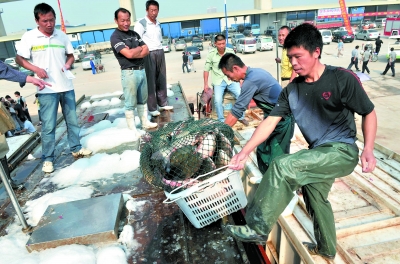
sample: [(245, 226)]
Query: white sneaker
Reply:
[(154, 113), (82, 153), (167, 107), (48, 167)]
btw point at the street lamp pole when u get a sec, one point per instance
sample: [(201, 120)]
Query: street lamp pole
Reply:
[(226, 23), (277, 45)]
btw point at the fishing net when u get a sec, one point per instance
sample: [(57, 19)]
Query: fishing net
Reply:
[(181, 151)]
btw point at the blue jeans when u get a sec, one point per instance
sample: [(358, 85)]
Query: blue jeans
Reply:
[(134, 84), (48, 113), (219, 90)]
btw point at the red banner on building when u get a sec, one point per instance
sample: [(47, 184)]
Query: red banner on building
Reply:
[(345, 16), (62, 19), (388, 13)]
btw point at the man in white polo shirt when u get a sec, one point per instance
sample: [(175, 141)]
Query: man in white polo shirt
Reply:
[(51, 53), (149, 30)]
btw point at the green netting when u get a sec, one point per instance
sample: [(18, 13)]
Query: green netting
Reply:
[(183, 150)]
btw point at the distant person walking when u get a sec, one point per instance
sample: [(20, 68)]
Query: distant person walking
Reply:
[(149, 30), (354, 59), (191, 62), (366, 57), (185, 60), (391, 62), (340, 48), (378, 44), (36, 101), (92, 66)]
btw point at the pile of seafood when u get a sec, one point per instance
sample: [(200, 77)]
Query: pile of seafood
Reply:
[(182, 151)]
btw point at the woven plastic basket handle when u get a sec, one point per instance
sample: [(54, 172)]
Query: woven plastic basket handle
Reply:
[(199, 186)]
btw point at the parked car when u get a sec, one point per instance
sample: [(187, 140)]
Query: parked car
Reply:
[(26, 71), (343, 35), (11, 62), (180, 44), (326, 36), (367, 34), (265, 43), (194, 51), (229, 45), (196, 42), (246, 45), (166, 45), (236, 37), (86, 62), (207, 37)]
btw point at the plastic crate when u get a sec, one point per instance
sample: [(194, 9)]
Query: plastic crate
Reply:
[(212, 199)]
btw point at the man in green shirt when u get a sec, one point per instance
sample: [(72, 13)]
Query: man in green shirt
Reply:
[(219, 81)]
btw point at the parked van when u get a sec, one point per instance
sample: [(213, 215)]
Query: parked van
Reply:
[(380, 22), (326, 36), (246, 45)]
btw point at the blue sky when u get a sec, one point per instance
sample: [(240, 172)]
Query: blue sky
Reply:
[(18, 15)]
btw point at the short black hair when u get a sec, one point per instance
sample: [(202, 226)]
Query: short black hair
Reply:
[(357, 47), (18, 93), (285, 27), (22, 118), (123, 10), (7, 96), (42, 9), (219, 37), (229, 60), (305, 35), (152, 2), (391, 49)]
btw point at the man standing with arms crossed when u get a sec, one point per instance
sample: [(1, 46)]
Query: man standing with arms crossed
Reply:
[(129, 49), (264, 89), (51, 53), (323, 100), (149, 30), (219, 80), (287, 73)]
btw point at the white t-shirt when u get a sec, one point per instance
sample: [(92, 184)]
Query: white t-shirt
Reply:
[(152, 37), (50, 54), (29, 127)]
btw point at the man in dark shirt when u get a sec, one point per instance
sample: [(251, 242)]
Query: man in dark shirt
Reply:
[(378, 44), (185, 60), (323, 100), (129, 49), (264, 89)]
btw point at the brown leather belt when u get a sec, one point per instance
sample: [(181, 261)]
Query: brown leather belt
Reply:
[(135, 68)]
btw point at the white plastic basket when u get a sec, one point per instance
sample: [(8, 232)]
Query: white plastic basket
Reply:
[(212, 199)]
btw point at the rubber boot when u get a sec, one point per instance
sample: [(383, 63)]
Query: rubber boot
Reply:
[(130, 120), (143, 112)]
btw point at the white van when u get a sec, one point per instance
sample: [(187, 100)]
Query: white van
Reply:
[(246, 45), (326, 36), (380, 22)]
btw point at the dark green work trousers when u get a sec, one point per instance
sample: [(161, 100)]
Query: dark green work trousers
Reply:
[(277, 143), (315, 171)]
